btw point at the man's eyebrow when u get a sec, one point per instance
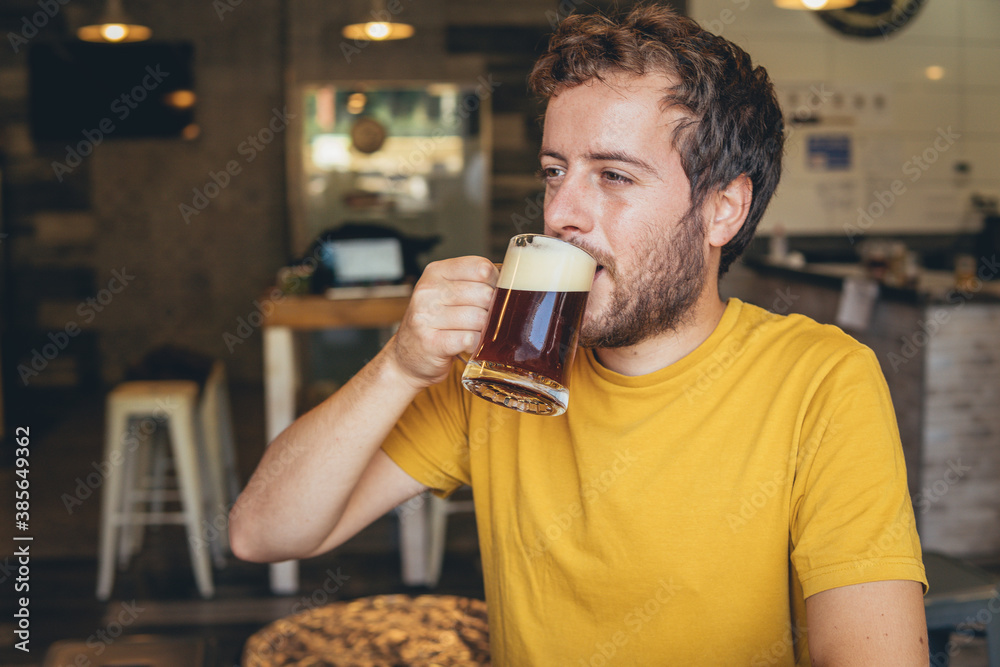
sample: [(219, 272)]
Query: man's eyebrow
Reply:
[(546, 152), (620, 156), (607, 156)]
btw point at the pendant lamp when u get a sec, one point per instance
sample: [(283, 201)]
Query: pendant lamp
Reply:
[(380, 28), (114, 27), (815, 5)]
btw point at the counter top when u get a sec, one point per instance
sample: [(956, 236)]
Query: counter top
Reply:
[(934, 287)]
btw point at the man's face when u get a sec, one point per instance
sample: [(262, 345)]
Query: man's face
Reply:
[(615, 187)]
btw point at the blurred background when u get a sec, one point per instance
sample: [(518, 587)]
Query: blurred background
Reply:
[(250, 168)]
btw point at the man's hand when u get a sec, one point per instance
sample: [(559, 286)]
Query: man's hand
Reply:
[(879, 624), (446, 316)]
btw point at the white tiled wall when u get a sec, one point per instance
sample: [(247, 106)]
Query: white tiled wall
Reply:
[(799, 51)]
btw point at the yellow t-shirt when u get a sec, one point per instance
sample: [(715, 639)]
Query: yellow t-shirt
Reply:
[(679, 517)]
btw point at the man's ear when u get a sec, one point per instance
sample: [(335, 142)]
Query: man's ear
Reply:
[(727, 210)]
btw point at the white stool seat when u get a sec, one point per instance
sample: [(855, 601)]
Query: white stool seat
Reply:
[(191, 433)]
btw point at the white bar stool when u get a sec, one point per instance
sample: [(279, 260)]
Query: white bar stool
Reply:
[(193, 435), (423, 525)]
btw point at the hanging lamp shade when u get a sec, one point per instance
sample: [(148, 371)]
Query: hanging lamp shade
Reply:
[(114, 27), (378, 31), (815, 5), (381, 27)]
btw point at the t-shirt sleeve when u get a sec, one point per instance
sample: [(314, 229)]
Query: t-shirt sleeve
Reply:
[(430, 441), (852, 518)]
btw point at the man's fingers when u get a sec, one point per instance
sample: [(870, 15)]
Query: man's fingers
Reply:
[(454, 318), (464, 292), (448, 310), (471, 268), (454, 343)]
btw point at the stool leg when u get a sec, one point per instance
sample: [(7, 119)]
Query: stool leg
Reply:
[(228, 443), (210, 454), (184, 438), (159, 447), (115, 429), (437, 528), (153, 459), (413, 539), (133, 472)]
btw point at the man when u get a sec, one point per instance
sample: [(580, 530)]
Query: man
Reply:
[(727, 486)]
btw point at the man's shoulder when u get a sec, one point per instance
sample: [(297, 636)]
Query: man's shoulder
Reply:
[(796, 334)]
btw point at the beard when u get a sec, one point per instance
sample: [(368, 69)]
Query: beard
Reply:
[(654, 295)]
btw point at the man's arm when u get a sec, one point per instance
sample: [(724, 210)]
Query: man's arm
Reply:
[(878, 624), (324, 478)]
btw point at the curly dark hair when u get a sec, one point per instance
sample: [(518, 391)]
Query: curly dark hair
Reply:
[(734, 124)]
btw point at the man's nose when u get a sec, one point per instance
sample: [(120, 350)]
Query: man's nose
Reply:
[(569, 209)]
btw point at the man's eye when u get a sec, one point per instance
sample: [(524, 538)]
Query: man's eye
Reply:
[(615, 177), (548, 173)]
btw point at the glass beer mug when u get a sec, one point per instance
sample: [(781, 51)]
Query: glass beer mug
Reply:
[(530, 338)]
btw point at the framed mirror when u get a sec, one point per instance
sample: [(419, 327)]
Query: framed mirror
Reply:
[(411, 156)]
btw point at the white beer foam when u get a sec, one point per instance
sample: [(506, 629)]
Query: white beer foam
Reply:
[(547, 265)]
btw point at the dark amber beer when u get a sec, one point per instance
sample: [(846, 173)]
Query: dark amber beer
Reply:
[(530, 338)]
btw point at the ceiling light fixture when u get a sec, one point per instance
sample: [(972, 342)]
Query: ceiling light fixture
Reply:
[(381, 28), (114, 27), (815, 5)]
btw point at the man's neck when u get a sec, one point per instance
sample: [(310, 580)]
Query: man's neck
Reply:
[(664, 349)]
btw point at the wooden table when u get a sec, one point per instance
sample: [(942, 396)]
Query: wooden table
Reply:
[(289, 315)]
